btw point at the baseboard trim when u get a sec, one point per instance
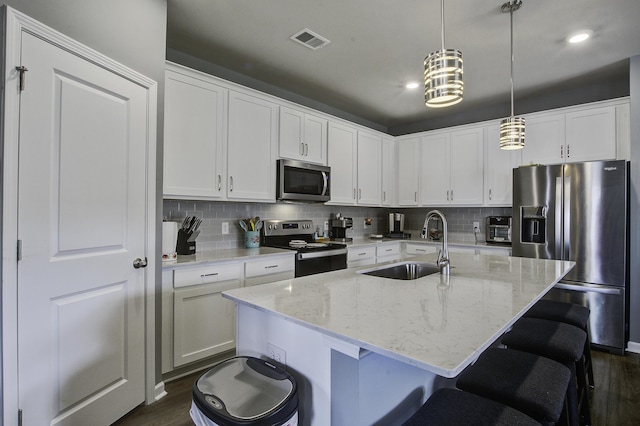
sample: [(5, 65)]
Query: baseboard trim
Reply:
[(633, 347), (159, 392)]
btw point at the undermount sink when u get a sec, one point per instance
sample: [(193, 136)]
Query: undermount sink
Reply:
[(403, 271)]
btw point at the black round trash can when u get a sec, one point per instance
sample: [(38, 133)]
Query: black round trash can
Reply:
[(245, 391)]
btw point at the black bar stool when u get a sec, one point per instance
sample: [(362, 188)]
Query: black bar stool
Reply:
[(570, 313), (450, 407), (535, 385), (563, 343)]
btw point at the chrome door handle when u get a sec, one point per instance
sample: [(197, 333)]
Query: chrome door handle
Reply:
[(219, 182), (140, 263)]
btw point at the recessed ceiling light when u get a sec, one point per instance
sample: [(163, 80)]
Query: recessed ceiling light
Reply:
[(412, 85), (579, 37)]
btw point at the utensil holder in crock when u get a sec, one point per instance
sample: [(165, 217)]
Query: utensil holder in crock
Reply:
[(252, 239)]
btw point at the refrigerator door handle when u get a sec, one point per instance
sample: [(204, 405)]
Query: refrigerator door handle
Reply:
[(584, 289), (566, 237), (559, 244)]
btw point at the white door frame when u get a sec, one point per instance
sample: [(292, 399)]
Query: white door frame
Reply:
[(14, 23)]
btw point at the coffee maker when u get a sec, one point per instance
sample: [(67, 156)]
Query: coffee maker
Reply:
[(339, 227), (396, 226)]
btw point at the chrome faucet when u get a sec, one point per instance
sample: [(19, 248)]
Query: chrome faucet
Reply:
[(443, 254)]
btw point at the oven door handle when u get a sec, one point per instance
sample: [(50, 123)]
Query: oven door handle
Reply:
[(324, 253)]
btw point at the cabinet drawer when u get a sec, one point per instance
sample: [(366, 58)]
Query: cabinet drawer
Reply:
[(359, 253), (207, 274), (388, 250), (272, 265), (421, 249)]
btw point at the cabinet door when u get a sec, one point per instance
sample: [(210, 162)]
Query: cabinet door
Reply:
[(498, 169), (342, 147), (369, 169), (194, 126), (435, 189), (291, 134), (315, 139), (204, 322), (251, 159), (467, 160), (388, 172), (544, 139), (591, 134), (408, 167)]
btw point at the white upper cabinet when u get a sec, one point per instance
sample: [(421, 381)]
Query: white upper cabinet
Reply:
[(342, 154), (584, 133), (408, 171), (499, 165), (369, 169), (302, 136), (253, 132), (591, 134), (194, 135), (452, 168), (388, 196)]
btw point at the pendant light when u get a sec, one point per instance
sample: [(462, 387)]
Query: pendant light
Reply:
[(512, 128), (443, 84)]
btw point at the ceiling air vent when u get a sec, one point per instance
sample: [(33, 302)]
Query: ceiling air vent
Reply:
[(310, 39)]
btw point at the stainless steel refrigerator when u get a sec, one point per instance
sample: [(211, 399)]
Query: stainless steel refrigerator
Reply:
[(579, 212)]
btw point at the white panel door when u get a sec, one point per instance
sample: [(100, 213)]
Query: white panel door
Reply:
[(251, 147), (435, 188), (369, 169), (467, 160), (81, 214), (342, 148), (408, 166), (194, 136)]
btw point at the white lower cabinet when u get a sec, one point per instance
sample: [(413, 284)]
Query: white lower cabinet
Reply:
[(261, 271), (416, 249), (204, 322), (388, 252), (361, 256)]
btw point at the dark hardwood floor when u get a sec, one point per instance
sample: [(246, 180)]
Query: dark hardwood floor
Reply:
[(614, 402)]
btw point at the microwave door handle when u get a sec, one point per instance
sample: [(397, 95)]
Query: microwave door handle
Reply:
[(325, 182)]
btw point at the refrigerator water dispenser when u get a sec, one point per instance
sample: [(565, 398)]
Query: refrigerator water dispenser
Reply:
[(534, 224)]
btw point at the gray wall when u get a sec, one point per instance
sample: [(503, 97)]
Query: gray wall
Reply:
[(634, 320), (214, 213), (131, 32)]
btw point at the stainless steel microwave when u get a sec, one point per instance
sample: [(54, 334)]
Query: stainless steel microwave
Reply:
[(301, 182)]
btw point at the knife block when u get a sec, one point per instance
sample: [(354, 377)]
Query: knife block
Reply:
[(185, 247)]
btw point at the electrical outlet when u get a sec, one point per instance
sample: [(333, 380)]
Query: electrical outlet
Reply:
[(277, 354), (225, 228), (476, 226)]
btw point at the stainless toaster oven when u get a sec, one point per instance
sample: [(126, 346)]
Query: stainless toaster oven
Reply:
[(498, 229)]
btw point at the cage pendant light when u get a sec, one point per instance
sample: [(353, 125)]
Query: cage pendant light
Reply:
[(443, 84), (512, 128)]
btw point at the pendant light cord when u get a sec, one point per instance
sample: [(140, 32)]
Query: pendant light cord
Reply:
[(511, 23), (442, 23)]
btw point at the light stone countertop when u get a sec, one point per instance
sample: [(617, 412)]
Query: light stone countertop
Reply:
[(433, 323), (207, 256)]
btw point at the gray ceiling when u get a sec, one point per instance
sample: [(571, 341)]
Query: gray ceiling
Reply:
[(379, 45)]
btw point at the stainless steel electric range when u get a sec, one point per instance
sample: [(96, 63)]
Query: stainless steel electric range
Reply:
[(312, 257)]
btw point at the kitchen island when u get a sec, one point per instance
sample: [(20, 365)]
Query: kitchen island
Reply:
[(370, 350)]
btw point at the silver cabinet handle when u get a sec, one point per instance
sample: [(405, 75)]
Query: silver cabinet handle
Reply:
[(213, 274), (230, 183), (447, 195), (568, 151), (354, 193), (489, 193), (306, 149), (219, 182), (415, 196), (139, 263), (359, 194), (271, 266), (301, 148), (561, 151), (452, 195)]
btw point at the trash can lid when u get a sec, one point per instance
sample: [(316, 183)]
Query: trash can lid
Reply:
[(246, 388)]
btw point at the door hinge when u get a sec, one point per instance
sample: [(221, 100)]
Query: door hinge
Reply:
[(22, 69), (19, 250), (19, 417)]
